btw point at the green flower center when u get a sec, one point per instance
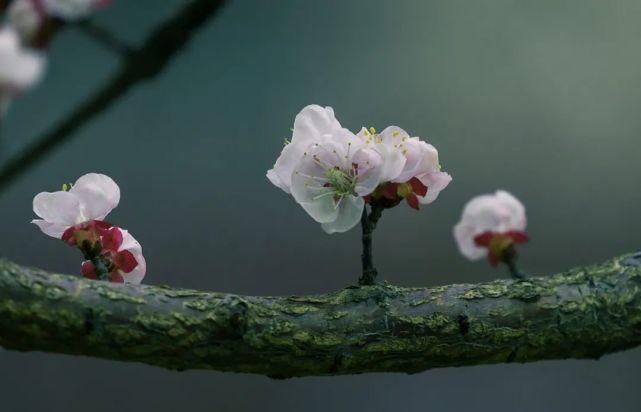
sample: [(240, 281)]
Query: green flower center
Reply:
[(339, 182)]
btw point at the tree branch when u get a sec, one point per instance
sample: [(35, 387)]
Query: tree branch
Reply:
[(582, 313), (140, 65)]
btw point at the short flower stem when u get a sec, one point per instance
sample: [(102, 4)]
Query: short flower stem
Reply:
[(510, 262), (368, 224), (102, 272)]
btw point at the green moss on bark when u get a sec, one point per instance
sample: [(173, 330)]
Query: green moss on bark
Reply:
[(582, 313)]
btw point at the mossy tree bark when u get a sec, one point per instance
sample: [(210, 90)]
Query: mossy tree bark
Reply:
[(582, 313)]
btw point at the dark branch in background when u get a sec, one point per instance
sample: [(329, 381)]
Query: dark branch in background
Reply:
[(142, 64), (582, 313), (104, 37)]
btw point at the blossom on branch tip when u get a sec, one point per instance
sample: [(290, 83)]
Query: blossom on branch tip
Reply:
[(20, 68), (491, 226)]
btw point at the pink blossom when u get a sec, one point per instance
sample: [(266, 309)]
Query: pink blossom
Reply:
[(491, 225)]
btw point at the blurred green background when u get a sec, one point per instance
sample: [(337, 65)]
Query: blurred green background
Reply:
[(539, 98)]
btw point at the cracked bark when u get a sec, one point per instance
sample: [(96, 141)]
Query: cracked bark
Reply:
[(582, 313)]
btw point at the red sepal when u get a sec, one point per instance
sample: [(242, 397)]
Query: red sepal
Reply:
[(493, 259), (88, 270), (116, 277), (125, 261), (390, 191), (412, 200), (68, 236), (484, 239), (418, 187), (112, 239)]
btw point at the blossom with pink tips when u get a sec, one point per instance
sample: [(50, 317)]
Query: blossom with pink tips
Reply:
[(491, 226)]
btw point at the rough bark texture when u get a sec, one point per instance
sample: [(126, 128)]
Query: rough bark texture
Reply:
[(582, 313)]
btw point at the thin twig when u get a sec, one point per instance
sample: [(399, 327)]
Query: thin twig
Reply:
[(104, 37)]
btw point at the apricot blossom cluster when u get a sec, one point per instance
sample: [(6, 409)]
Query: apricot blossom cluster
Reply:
[(332, 173)]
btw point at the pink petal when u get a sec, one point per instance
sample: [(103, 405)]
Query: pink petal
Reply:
[(58, 207), (98, 195)]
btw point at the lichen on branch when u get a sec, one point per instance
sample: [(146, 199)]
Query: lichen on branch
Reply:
[(582, 313)]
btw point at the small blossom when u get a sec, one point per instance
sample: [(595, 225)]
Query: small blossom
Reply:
[(19, 68), (76, 216), (332, 178), (411, 169), (91, 198), (491, 225), (311, 125)]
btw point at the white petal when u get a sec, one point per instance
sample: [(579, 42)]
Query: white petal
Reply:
[(51, 229), (516, 211), (464, 235), (98, 195), (281, 174), (435, 182), (312, 122), (370, 170), (421, 158), (132, 245), (349, 214), (20, 68), (58, 207)]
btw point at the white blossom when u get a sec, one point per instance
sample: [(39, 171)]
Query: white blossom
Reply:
[(486, 217), (332, 177)]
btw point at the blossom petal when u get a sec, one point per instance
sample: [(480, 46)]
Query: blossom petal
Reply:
[(390, 143), (435, 182), (314, 121), (464, 235), (20, 68), (51, 229), (58, 207), (98, 195), (516, 211), (132, 245), (370, 170), (351, 209), (281, 174)]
